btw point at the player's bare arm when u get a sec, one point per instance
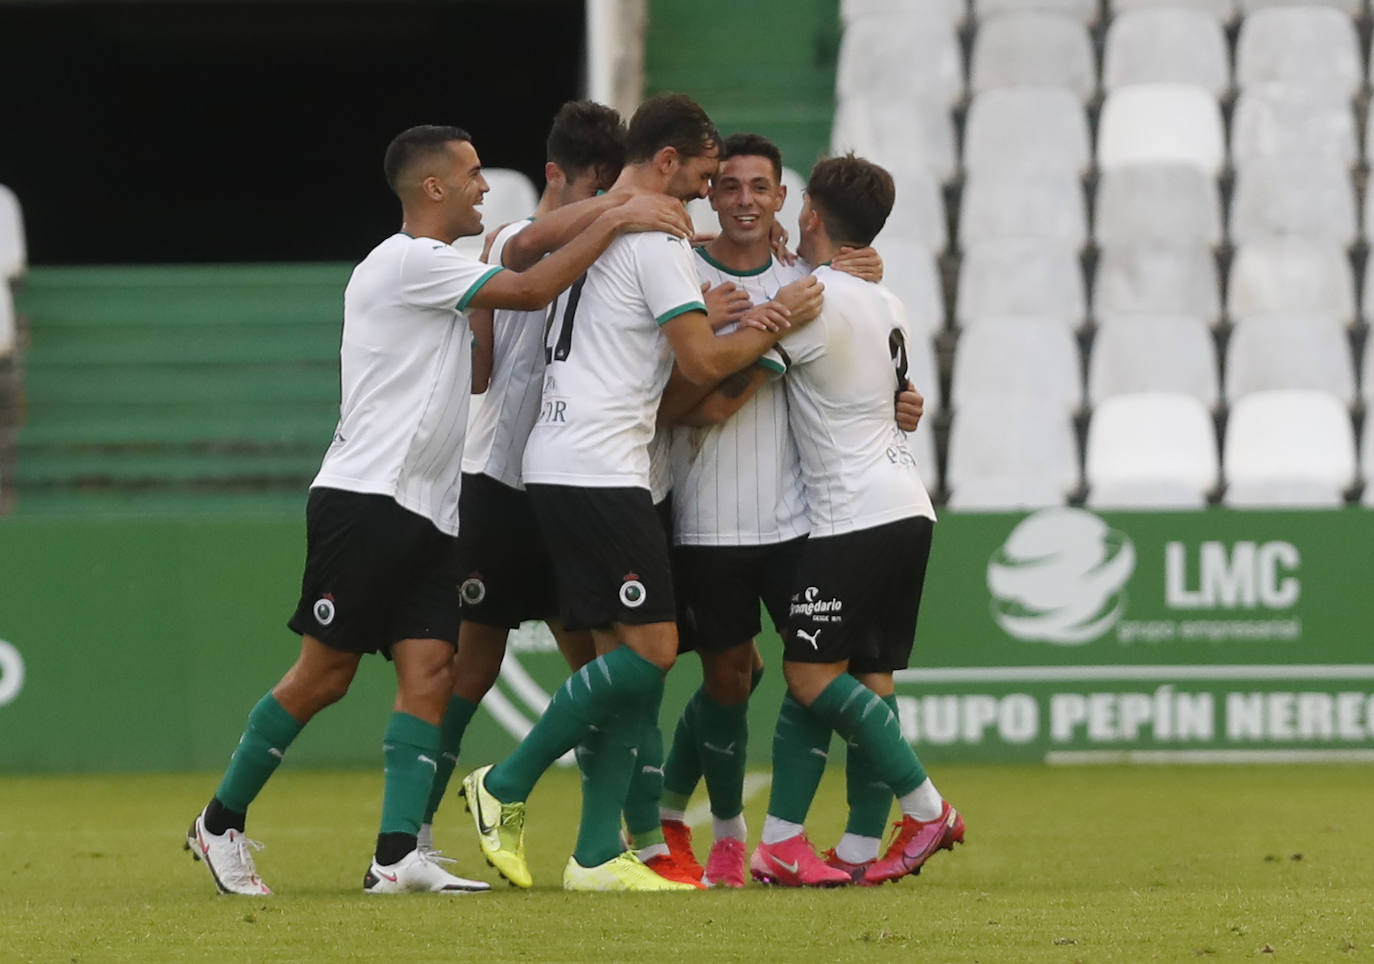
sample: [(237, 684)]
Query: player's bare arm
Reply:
[(727, 398), (480, 321), (726, 303), (553, 230), (536, 287), (863, 263)]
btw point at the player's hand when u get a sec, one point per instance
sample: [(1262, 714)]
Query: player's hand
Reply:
[(770, 316), (491, 239), (701, 240), (802, 299), (862, 263), (653, 212), (777, 240), (725, 303), (911, 405)]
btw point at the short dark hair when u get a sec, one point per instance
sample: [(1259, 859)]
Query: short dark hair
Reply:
[(853, 196), (752, 145), (586, 135), (669, 120), (415, 143)]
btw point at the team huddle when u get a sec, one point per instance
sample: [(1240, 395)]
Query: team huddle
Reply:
[(672, 437)]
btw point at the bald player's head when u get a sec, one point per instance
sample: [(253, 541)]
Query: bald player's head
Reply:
[(418, 153)]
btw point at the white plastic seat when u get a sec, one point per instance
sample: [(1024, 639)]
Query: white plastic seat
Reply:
[(8, 333), (1161, 124), (1033, 48), (953, 12), (1282, 493), (1153, 438), (1166, 45), (1276, 121), (1367, 460), (1291, 275), (897, 132), (511, 198), (1223, 10), (1351, 8), (910, 271), (14, 257), (1013, 358), (1289, 436), (792, 205), (1006, 494), (1311, 197), (1157, 495), (1020, 280), (1084, 11), (1172, 355), (918, 213), (1309, 47), (1028, 130), (1285, 352), (1012, 438), (1157, 204), (924, 373), (921, 444), (1154, 280), (999, 204), (900, 57)]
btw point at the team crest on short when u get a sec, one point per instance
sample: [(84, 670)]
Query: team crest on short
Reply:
[(324, 609), (632, 592), (473, 590)]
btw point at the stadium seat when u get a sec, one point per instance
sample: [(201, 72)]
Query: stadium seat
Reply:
[(1006, 494), (1012, 438), (911, 273), (1281, 493), (14, 258), (1288, 436), (1168, 204), (1020, 280), (1154, 280), (1028, 130), (924, 372), (1351, 8), (1001, 204), (1300, 47), (8, 333), (1223, 10), (921, 444), (1367, 460), (1085, 11), (918, 213), (1291, 275), (900, 57), (1159, 495), (1161, 124), (511, 198), (1311, 197), (1033, 48), (792, 205), (1166, 45), (1143, 354), (1152, 438), (1274, 121), (998, 358), (953, 12), (897, 132), (1287, 352)]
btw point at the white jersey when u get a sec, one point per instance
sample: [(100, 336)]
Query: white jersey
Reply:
[(496, 437), (739, 483), (843, 376), (607, 363), (405, 371)]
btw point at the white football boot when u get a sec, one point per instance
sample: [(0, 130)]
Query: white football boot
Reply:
[(228, 858), (418, 872)]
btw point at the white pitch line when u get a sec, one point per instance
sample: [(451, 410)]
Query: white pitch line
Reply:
[(699, 813)]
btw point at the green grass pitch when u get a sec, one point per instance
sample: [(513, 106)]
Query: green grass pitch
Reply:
[(1063, 865)]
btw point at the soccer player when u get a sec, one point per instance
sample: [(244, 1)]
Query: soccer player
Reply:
[(613, 341), (857, 589), (506, 576), (382, 516)]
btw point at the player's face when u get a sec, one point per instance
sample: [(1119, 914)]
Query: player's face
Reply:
[(692, 178), (464, 189), (747, 197)]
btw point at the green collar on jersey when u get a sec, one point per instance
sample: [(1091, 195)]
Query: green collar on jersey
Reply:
[(738, 274)]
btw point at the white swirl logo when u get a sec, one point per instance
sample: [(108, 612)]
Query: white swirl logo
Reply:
[(11, 672), (1060, 578)]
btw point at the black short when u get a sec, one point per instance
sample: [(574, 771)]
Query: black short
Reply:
[(610, 555), (375, 574), (857, 595), (719, 589), (507, 576)]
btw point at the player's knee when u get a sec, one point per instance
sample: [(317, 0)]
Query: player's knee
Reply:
[(727, 676)]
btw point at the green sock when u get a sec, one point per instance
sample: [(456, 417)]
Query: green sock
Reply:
[(862, 719), (410, 748), (801, 744), (607, 760), (456, 719), (682, 768), (270, 731), (870, 799), (621, 678), (723, 732), (646, 782)]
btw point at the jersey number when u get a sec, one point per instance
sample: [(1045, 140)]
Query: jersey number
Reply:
[(560, 349), (896, 344)]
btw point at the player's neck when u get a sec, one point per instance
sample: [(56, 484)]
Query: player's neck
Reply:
[(418, 226), (642, 176), (816, 249), (739, 258)]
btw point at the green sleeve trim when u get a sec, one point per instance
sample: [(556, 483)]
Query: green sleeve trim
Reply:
[(477, 286), (672, 313), (772, 365)]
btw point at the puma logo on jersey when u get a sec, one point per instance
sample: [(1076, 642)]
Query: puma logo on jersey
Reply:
[(810, 638)]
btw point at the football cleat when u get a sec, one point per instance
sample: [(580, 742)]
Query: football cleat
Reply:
[(793, 863), (726, 862), (678, 836), (500, 828), (623, 872), (228, 858), (417, 872), (914, 842), (669, 869), (855, 871)]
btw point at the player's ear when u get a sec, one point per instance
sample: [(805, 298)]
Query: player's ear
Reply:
[(432, 188), (554, 176), (667, 160), (782, 195)]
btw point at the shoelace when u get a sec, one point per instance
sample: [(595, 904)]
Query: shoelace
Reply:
[(436, 856), (247, 868)]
